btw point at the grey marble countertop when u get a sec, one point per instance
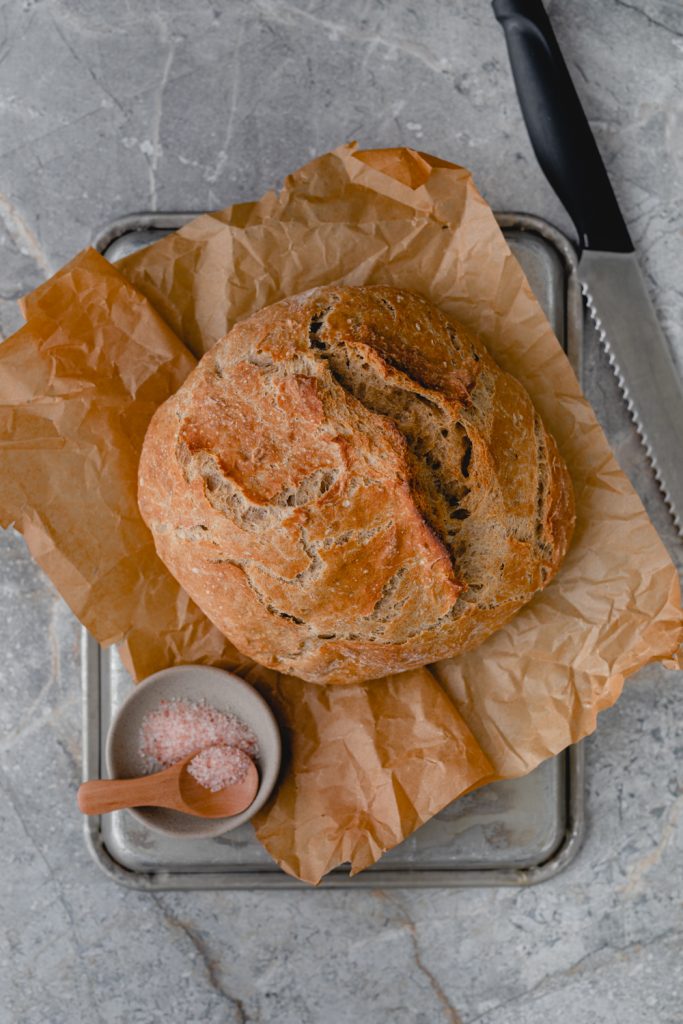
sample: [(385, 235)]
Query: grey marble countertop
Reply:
[(188, 104)]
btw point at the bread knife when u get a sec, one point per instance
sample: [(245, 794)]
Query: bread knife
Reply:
[(612, 282)]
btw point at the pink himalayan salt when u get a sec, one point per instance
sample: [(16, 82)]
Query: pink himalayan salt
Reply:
[(218, 767), (176, 728)]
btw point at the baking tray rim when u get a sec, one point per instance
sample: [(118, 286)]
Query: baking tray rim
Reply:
[(381, 877), (564, 247)]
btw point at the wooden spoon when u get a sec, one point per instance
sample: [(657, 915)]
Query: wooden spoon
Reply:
[(174, 788)]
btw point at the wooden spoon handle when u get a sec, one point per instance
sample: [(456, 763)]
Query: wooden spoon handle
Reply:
[(103, 795)]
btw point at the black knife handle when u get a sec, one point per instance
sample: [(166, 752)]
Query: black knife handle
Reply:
[(557, 126)]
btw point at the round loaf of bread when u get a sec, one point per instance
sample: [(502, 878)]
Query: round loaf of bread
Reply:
[(348, 485)]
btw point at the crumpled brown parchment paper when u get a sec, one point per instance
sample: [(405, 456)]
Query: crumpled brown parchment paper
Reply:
[(366, 765)]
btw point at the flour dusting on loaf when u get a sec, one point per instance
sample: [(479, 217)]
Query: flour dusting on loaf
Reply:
[(348, 485)]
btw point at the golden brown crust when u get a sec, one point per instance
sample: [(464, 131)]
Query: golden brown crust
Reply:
[(348, 485)]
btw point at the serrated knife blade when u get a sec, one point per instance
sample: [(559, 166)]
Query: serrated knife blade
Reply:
[(613, 283), (627, 326)]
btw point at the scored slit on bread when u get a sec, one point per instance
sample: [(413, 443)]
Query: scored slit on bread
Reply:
[(348, 485)]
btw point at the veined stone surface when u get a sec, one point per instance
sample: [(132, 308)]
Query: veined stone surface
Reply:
[(190, 104)]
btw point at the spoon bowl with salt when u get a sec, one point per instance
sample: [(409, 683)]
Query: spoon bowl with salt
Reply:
[(199, 699), (216, 782)]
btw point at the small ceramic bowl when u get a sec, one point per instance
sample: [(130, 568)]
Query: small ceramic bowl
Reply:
[(221, 690)]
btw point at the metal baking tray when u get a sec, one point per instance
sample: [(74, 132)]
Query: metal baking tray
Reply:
[(516, 832)]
